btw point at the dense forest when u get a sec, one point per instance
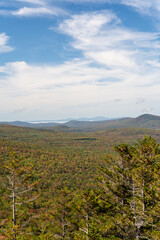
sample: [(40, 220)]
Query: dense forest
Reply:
[(70, 185)]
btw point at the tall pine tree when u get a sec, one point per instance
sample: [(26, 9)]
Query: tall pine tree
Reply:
[(131, 183), (17, 183)]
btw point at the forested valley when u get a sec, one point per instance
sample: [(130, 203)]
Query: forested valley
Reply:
[(70, 185)]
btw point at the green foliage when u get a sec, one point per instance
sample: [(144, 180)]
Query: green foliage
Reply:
[(131, 184), (18, 192), (64, 167)]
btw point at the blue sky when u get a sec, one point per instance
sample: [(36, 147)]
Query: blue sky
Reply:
[(79, 58)]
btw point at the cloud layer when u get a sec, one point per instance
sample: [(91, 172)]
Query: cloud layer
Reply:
[(116, 63)]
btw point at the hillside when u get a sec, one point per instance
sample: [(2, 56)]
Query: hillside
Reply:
[(70, 158), (143, 121), (60, 161)]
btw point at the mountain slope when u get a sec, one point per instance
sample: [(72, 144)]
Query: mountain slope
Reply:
[(143, 121)]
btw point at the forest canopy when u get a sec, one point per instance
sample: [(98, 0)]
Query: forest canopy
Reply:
[(49, 192)]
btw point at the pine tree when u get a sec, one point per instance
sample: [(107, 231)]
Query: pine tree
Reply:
[(17, 181), (146, 176), (61, 214), (86, 210), (132, 191)]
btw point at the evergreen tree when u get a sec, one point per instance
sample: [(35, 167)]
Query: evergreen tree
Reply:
[(62, 214), (132, 191), (18, 185), (86, 210)]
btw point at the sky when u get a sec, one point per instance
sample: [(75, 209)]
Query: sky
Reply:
[(79, 58)]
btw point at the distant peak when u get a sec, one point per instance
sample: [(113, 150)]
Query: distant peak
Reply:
[(147, 116)]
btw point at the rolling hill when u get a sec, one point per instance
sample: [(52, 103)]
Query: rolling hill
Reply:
[(143, 121)]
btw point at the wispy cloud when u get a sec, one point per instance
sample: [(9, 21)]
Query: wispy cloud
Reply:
[(31, 8), (103, 39), (83, 28), (143, 6), (4, 47), (147, 7), (37, 11)]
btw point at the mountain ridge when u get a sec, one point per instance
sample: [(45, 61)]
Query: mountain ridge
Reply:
[(142, 121)]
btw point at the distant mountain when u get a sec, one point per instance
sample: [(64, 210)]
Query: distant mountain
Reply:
[(99, 118), (147, 117), (50, 123), (17, 123), (29, 124), (143, 121)]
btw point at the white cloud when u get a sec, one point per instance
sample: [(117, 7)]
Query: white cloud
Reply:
[(50, 87), (84, 28), (88, 23), (37, 11), (143, 6), (28, 78), (31, 8), (131, 57), (4, 43), (149, 7), (116, 63), (111, 58), (103, 39), (55, 89)]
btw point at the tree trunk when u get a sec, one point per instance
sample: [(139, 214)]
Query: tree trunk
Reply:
[(14, 205)]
